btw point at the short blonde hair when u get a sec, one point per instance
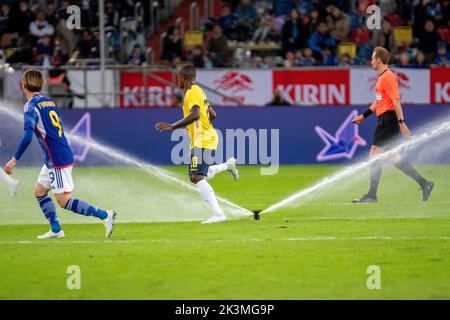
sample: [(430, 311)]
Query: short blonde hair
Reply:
[(33, 80), (383, 54)]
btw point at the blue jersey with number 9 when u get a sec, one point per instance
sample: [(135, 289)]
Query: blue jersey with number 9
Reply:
[(41, 115)]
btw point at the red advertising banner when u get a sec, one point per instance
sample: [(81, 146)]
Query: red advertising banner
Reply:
[(440, 85), (313, 87), (153, 93)]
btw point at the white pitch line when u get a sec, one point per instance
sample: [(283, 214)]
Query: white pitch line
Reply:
[(319, 238), (371, 218)]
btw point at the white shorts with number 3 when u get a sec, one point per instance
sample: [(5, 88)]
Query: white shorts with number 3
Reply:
[(56, 180)]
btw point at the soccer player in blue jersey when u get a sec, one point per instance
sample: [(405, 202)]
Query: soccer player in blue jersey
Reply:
[(42, 118)]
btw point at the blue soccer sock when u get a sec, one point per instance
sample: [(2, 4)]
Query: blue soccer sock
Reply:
[(49, 210), (84, 208)]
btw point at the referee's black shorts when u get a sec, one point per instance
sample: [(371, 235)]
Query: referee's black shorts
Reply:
[(387, 131)]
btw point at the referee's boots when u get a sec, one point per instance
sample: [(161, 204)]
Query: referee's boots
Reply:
[(426, 190), (366, 199)]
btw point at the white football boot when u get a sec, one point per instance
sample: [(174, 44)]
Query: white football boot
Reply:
[(232, 167), (109, 222), (216, 219), (52, 235)]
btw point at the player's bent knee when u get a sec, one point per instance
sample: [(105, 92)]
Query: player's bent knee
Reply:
[(62, 200), (196, 178)]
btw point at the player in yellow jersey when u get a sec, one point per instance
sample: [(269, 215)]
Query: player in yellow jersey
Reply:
[(198, 115)]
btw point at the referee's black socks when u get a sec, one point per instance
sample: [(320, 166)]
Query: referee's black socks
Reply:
[(405, 167), (375, 176)]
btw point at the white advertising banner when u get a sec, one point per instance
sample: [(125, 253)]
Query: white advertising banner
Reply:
[(250, 87), (93, 85), (414, 85)]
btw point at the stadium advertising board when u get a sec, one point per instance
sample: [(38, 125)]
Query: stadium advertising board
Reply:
[(313, 87), (410, 82), (306, 135), (440, 85), (137, 94), (249, 87)]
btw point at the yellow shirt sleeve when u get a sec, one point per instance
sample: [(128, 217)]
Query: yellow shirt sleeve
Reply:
[(191, 99)]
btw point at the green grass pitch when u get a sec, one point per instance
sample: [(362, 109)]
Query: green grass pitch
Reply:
[(320, 249)]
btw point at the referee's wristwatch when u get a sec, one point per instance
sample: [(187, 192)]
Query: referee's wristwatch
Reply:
[(401, 121)]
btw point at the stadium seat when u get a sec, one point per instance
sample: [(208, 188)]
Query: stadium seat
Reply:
[(403, 35), (395, 19), (360, 35), (347, 48), (444, 33), (193, 38)]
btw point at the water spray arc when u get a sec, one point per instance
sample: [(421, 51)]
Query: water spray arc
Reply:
[(146, 167), (347, 172)]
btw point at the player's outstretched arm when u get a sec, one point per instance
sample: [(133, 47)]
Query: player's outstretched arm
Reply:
[(193, 116), (26, 140)]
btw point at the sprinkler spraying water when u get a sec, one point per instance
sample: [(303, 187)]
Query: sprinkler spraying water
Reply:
[(150, 169), (425, 135)]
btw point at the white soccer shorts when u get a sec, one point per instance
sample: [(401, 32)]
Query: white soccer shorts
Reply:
[(56, 180)]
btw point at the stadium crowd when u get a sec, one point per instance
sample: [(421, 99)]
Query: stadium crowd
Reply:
[(279, 33)]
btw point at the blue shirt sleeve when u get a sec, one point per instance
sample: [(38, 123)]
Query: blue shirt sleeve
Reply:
[(30, 118)]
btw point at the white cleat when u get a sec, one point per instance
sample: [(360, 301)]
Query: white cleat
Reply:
[(52, 235), (232, 167), (13, 188), (215, 219), (109, 222)]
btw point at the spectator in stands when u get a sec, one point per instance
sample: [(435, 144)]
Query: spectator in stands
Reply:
[(446, 13), (246, 15), (328, 58), (442, 56), (314, 19), (283, 7), (227, 22), (51, 14), (218, 47), (321, 42), (339, 24), (433, 11), (345, 60), (172, 45), (290, 61), (23, 18), (385, 37), (87, 47), (307, 59), (41, 27), (59, 85), (304, 6), (198, 57), (5, 19), (358, 17), (112, 20), (62, 12), (420, 60), (428, 39), (419, 14), (137, 57), (264, 30), (404, 60), (44, 51), (294, 33)]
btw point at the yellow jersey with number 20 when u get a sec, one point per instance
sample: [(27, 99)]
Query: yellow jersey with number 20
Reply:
[(201, 132)]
